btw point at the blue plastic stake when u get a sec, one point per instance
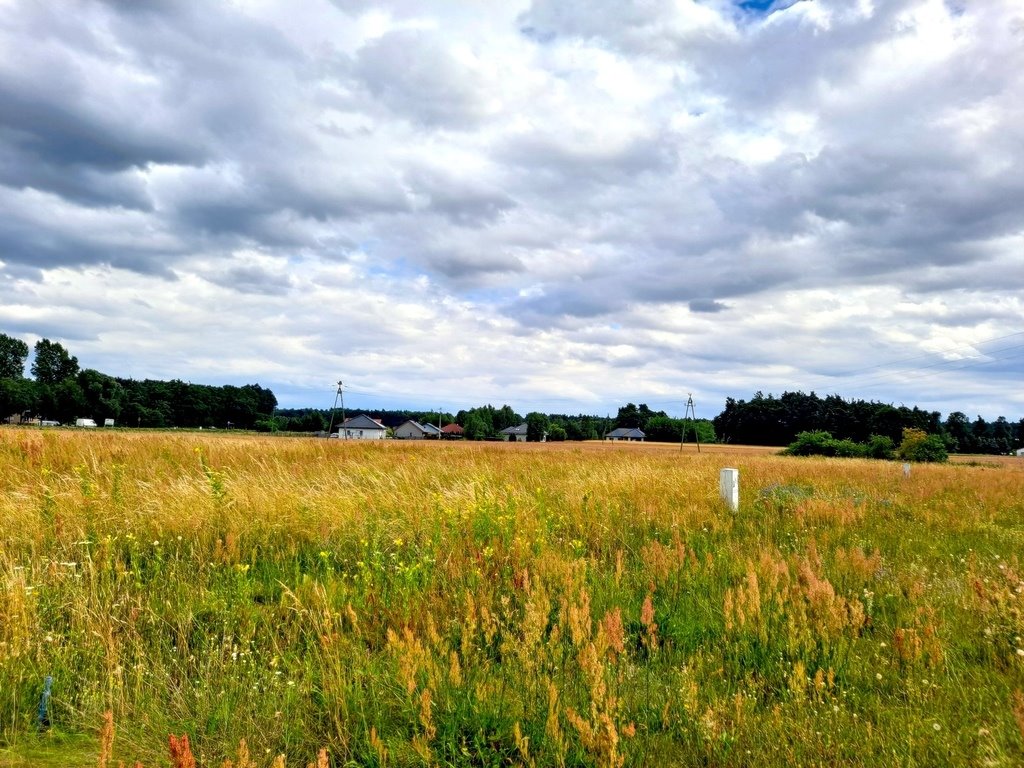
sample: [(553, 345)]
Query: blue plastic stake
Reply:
[(43, 715)]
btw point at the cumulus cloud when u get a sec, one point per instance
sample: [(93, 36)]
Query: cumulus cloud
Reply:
[(550, 203)]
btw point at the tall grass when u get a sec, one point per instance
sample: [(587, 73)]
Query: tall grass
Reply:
[(465, 604)]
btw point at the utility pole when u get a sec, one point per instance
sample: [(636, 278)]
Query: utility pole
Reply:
[(334, 410), (342, 425), (690, 411)]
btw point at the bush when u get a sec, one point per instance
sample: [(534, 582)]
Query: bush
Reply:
[(823, 444), (918, 445), (881, 447), (847, 449), (811, 444)]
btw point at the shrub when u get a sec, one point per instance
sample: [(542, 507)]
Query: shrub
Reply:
[(918, 445), (847, 449), (823, 444), (881, 447), (817, 443)]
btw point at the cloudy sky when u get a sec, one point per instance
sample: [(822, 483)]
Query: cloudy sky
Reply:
[(560, 204)]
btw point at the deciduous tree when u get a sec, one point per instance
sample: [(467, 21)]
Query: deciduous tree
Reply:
[(13, 353), (52, 363)]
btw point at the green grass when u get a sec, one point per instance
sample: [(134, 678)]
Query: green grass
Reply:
[(51, 750), (492, 605)]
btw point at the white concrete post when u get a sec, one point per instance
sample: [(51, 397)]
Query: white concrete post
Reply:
[(906, 470), (729, 487)]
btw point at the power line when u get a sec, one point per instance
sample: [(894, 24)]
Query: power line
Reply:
[(975, 344), (926, 371), (964, 364), (868, 377)]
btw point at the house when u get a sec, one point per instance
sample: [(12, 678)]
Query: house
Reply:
[(410, 430), (514, 434), (361, 427), (1020, 452), (433, 432), (452, 431), (627, 434)]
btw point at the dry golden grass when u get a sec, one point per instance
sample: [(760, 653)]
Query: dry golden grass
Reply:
[(459, 603)]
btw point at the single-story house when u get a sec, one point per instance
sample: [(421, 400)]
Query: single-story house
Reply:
[(410, 430), (452, 431), (627, 434), (361, 427), (514, 434), (1020, 451)]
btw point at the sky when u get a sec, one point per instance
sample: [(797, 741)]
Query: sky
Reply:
[(563, 205)]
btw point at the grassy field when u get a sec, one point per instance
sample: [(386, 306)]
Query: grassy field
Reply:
[(489, 604)]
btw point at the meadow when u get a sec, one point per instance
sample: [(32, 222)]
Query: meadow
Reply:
[(288, 601)]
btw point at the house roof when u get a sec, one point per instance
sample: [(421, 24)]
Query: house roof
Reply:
[(362, 421), (452, 429), (416, 424), (627, 432), (430, 429), (520, 430)]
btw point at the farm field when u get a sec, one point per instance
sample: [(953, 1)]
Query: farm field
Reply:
[(491, 604)]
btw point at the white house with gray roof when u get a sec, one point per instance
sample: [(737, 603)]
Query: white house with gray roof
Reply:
[(627, 434), (361, 427)]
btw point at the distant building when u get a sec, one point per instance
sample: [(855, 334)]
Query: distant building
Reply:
[(410, 430), (361, 427), (452, 431), (514, 434), (627, 434), (414, 430), (1020, 451)]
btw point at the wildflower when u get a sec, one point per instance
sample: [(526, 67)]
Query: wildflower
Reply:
[(878, 676), (936, 726)]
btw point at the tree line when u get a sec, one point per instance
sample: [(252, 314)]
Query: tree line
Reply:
[(770, 420), (486, 422), (61, 391)]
